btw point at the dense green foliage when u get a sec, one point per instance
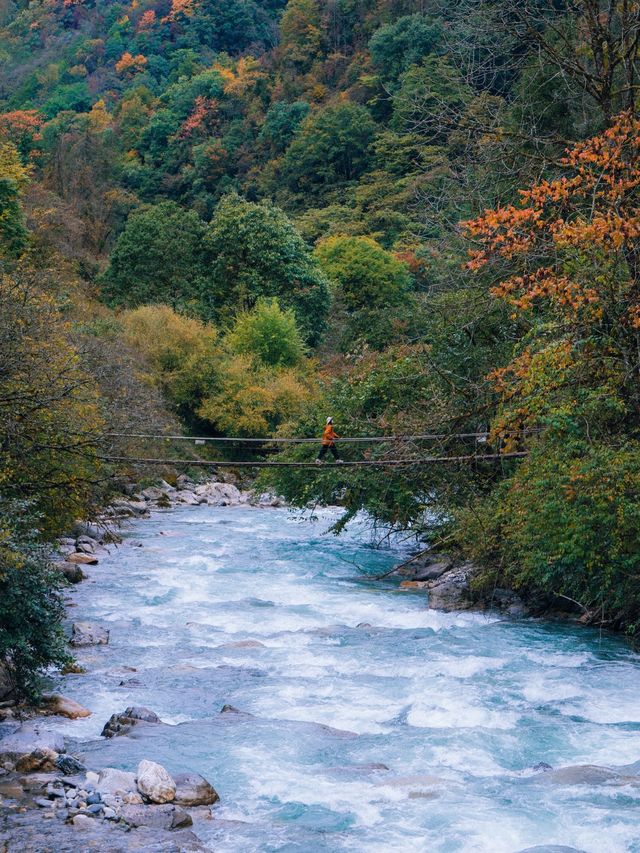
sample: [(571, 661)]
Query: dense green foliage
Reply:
[(31, 606), (254, 211)]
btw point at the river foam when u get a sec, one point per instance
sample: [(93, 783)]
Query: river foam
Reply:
[(345, 677)]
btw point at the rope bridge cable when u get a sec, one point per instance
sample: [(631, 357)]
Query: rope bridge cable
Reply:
[(425, 460), (346, 440)]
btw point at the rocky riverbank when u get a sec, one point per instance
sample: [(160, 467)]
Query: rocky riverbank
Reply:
[(49, 799)]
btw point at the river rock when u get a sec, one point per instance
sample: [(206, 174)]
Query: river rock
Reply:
[(552, 848), (187, 497), (113, 781), (88, 634), (71, 571), (184, 482), (220, 494), (31, 748), (70, 766), (62, 706), (451, 591), (158, 816), (587, 774), (414, 585), (121, 724), (155, 783), (84, 559), (130, 508), (432, 572), (194, 790)]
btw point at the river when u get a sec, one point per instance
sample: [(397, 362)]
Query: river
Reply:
[(459, 707)]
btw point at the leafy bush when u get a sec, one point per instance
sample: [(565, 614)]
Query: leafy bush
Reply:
[(181, 351), (269, 334), (568, 522), (31, 606)]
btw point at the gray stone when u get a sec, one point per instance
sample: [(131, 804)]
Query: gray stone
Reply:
[(109, 813), (68, 765), (71, 571), (94, 798), (587, 774), (88, 634), (552, 848), (31, 747), (113, 781), (155, 783), (451, 591), (194, 790), (82, 821), (42, 803), (94, 808), (121, 724), (165, 816), (432, 572)]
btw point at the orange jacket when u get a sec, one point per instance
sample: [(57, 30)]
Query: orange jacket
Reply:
[(329, 435)]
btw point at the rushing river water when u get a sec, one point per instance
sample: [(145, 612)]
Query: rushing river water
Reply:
[(459, 707)]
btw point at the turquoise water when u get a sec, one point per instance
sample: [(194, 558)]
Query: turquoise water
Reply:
[(459, 707)]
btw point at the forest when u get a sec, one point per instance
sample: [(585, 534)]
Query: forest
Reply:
[(237, 217)]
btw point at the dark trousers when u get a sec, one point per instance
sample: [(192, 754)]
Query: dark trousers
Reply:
[(325, 448)]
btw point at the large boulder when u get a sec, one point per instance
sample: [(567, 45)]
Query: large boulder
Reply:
[(194, 790), (121, 724), (220, 494), (451, 591), (88, 634), (31, 748), (71, 571), (158, 817), (113, 781), (62, 706), (155, 783), (130, 508), (83, 559)]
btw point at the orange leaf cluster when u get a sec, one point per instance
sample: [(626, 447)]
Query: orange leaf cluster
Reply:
[(204, 110), (130, 64), (592, 211), (147, 20)]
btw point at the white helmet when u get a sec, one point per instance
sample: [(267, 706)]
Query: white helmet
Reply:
[(329, 420)]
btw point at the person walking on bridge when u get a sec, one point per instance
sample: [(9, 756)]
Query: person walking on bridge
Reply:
[(329, 437)]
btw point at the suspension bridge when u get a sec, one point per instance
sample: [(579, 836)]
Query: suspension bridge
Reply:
[(399, 442)]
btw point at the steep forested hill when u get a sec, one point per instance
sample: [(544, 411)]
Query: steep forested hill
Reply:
[(419, 216)]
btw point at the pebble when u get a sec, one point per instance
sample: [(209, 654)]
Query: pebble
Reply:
[(95, 808), (109, 813), (92, 799)]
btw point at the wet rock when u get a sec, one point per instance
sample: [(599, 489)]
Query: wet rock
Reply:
[(185, 483), (84, 559), (194, 790), (220, 494), (432, 572), (71, 571), (552, 848), (131, 508), (417, 585), (31, 748), (121, 724), (587, 774), (83, 530), (542, 767), (88, 634), (231, 709), (113, 781), (69, 766), (186, 497), (158, 816), (452, 590), (243, 644), (155, 783), (62, 706)]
